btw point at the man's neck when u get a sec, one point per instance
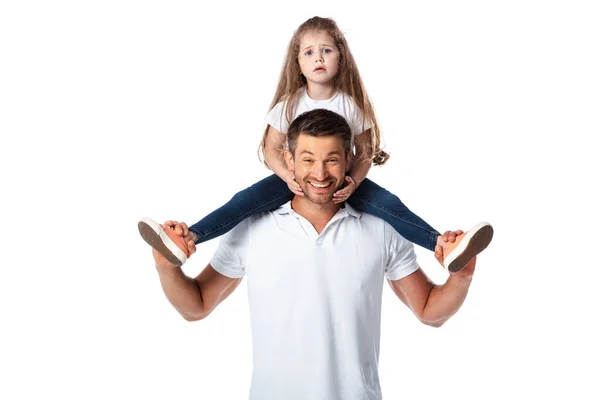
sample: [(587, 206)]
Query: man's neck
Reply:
[(318, 215)]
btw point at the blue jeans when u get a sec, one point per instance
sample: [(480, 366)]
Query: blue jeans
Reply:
[(272, 192)]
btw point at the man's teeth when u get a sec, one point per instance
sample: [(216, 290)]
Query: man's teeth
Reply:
[(319, 185)]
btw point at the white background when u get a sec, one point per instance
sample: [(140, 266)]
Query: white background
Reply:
[(115, 110)]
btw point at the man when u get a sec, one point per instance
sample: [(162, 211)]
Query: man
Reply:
[(315, 277)]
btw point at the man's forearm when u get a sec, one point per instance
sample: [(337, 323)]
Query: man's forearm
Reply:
[(445, 300), (182, 291)]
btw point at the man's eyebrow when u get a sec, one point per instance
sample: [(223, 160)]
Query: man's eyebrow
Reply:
[(331, 153)]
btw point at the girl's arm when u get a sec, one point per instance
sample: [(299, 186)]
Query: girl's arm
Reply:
[(360, 168), (361, 165), (274, 146)]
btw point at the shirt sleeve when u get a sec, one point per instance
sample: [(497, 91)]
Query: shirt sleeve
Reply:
[(401, 258), (277, 119), (231, 257)]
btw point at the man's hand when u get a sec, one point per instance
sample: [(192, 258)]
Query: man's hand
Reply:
[(341, 195), (181, 229), (450, 236), (293, 185)]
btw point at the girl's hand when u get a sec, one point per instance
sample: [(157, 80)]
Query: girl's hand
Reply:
[(293, 185), (341, 195)]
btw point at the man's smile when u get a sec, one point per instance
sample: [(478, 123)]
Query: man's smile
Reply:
[(320, 185)]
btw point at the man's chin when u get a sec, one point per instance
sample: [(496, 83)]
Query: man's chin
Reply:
[(321, 200)]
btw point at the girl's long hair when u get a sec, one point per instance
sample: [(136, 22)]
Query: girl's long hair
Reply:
[(347, 80)]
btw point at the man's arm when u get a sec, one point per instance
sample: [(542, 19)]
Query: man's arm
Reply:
[(434, 304), (193, 298)]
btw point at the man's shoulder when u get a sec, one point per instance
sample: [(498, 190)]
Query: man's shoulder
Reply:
[(363, 224), (379, 229), (267, 217)]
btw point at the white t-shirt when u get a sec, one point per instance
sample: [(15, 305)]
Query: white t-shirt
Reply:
[(315, 300), (340, 103)]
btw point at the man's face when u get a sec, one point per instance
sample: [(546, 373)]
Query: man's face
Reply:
[(319, 165)]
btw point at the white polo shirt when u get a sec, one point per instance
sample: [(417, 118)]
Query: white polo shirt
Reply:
[(315, 300)]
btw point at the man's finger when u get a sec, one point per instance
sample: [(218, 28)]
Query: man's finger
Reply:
[(185, 228), (178, 229), (439, 254), (445, 236), (191, 246)]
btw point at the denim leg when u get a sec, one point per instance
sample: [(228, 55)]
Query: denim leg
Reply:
[(264, 195), (375, 200)]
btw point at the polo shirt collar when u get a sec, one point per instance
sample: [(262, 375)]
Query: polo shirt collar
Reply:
[(346, 210)]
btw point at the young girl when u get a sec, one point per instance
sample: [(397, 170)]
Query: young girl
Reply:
[(319, 72)]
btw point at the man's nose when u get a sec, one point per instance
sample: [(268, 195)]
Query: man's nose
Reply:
[(320, 171)]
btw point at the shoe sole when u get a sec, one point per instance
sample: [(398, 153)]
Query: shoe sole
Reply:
[(476, 240), (155, 236)]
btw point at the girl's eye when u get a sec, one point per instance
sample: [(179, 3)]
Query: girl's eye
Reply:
[(326, 51), (308, 53)]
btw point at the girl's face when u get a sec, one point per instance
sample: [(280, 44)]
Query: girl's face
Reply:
[(318, 58)]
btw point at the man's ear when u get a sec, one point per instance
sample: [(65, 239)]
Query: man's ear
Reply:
[(348, 160), (289, 160)]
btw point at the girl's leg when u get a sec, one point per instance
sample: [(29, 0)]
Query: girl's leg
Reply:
[(264, 195), (375, 200)]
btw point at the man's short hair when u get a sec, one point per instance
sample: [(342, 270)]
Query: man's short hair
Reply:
[(319, 122)]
